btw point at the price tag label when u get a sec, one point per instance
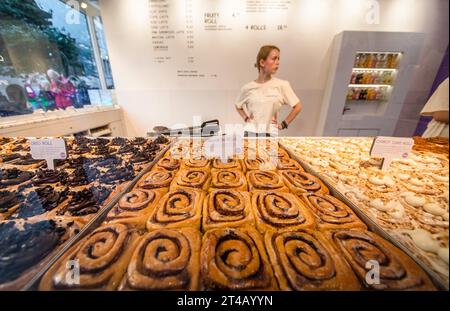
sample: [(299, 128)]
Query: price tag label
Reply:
[(224, 147), (48, 149), (390, 148)]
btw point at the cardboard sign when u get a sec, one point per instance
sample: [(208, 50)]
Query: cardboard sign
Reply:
[(223, 147), (390, 148), (48, 149)]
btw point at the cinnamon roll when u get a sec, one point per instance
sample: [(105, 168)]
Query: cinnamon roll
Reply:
[(14, 177), (280, 211), (178, 208), (168, 163), (259, 163), (265, 180), (194, 179), (235, 259), (157, 178), (135, 207), (228, 179), (331, 213), (288, 164), (200, 163), (100, 259), (364, 250), (300, 182), (230, 164), (305, 260), (9, 203), (165, 260), (227, 208)]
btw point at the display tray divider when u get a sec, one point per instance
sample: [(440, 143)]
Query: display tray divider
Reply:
[(95, 222), (372, 225)]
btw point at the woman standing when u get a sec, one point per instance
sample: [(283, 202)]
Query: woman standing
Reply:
[(264, 97)]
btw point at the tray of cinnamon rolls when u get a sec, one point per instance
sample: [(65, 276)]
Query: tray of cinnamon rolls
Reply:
[(254, 221), (42, 210), (407, 203)]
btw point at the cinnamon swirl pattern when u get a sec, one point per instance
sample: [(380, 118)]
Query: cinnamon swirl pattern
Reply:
[(176, 209), (227, 208), (169, 163), (157, 178), (235, 259), (305, 260), (300, 182), (230, 164), (331, 213), (196, 179), (101, 260), (228, 179), (259, 163), (280, 211), (265, 180), (288, 164), (397, 271), (135, 207), (165, 260), (196, 164)]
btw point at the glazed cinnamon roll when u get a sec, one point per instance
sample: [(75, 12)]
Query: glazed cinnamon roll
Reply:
[(100, 258), (157, 178), (363, 250), (135, 207), (235, 259), (196, 164), (194, 179), (288, 164), (305, 260), (165, 260), (265, 180), (280, 211), (230, 164), (168, 163), (331, 213), (178, 208), (300, 182), (228, 179), (227, 208)]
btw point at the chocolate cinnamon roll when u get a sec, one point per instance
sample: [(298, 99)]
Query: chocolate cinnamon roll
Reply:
[(265, 180), (100, 259), (196, 179), (49, 177), (228, 179), (9, 203), (169, 163), (85, 202), (13, 177), (157, 178), (280, 211), (178, 208), (165, 260), (331, 213), (227, 208), (235, 259), (305, 260), (135, 207), (300, 182), (230, 164), (365, 250)]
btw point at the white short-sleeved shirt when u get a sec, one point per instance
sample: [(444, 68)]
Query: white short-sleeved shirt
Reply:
[(263, 100), (437, 102)]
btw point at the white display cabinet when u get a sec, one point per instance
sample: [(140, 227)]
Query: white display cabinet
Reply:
[(367, 82)]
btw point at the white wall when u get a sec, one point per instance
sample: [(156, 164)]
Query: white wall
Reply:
[(151, 94)]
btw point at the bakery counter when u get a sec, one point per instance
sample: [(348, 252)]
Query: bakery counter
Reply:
[(256, 221), (42, 210), (408, 202)]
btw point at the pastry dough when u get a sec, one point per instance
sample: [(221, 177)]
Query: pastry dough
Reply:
[(223, 208), (169, 163), (196, 164), (301, 182), (288, 164), (101, 257), (305, 260), (235, 259), (165, 259), (397, 270), (230, 164), (228, 179), (157, 178), (280, 211), (193, 179), (265, 180), (176, 209)]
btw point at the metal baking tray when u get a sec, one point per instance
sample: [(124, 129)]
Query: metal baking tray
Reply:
[(371, 224), (94, 222)]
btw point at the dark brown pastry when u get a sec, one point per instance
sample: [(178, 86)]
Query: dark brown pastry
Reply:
[(265, 180), (300, 182)]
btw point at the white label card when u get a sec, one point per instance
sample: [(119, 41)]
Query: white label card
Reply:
[(48, 149), (390, 148)]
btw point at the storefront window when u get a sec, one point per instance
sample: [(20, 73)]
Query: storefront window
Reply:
[(103, 50), (46, 58)]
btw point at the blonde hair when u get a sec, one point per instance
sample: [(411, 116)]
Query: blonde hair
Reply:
[(263, 53)]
